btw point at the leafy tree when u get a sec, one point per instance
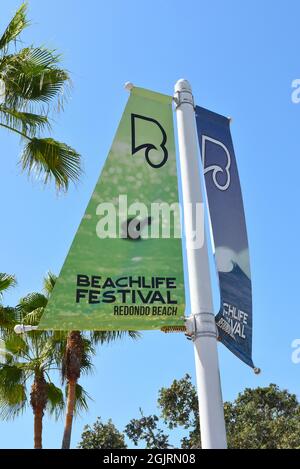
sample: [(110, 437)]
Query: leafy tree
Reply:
[(102, 436), (263, 418), (146, 429), (260, 418), (31, 80), (179, 408)]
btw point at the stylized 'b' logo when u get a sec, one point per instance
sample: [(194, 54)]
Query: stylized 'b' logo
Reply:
[(155, 156), (216, 169)]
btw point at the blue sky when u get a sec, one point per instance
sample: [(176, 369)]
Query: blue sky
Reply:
[(240, 58)]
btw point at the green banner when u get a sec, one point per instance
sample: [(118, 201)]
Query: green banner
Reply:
[(124, 269)]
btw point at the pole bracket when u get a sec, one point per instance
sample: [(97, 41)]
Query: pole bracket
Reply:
[(201, 325)]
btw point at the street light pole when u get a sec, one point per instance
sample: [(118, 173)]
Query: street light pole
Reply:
[(201, 324)]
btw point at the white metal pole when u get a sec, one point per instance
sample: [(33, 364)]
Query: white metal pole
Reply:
[(202, 321)]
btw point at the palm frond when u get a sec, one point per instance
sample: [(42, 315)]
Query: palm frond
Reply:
[(49, 282), (33, 75), (57, 345), (135, 335), (55, 403), (10, 375), (9, 317), (33, 318), (47, 353), (12, 391), (31, 308), (101, 337), (15, 344), (86, 366), (5, 356), (32, 301), (6, 281), (25, 122), (38, 59), (51, 159), (40, 347), (81, 399), (12, 402), (15, 27)]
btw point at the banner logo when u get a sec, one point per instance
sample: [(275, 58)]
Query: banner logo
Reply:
[(216, 169), (149, 146)]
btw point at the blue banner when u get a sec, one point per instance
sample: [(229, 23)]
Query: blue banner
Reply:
[(234, 320)]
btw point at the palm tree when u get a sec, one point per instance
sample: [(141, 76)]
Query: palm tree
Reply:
[(29, 359), (77, 359), (30, 80)]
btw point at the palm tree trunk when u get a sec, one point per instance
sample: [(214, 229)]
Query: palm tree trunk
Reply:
[(38, 401), (71, 372), (69, 416), (38, 429)]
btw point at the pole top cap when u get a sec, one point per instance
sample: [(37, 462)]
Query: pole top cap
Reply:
[(183, 93), (128, 86), (183, 85)]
